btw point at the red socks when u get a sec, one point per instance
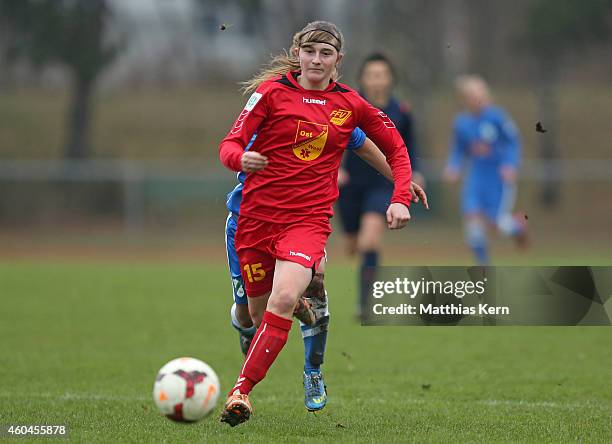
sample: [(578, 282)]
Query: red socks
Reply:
[(269, 340)]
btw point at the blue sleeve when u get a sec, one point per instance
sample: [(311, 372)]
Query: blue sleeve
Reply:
[(246, 148), (510, 140), (358, 138), (458, 148)]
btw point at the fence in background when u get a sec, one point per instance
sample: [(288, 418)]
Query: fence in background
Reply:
[(137, 185)]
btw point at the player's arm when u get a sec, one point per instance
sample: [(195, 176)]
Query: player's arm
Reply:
[(511, 154), (381, 129), (456, 155), (231, 149), (374, 157), (356, 141), (406, 130)]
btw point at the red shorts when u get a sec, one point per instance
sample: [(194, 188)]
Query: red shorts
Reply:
[(259, 244)]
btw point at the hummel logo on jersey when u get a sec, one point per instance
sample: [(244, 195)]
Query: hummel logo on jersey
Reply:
[(315, 101), (293, 253)]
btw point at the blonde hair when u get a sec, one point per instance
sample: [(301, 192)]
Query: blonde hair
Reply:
[(314, 32), (474, 84)]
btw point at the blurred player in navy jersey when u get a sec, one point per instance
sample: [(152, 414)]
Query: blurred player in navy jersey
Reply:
[(485, 138), (304, 120), (364, 193)]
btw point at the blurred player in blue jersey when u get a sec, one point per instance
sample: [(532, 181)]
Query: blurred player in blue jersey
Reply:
[(312, 310), (364, 193), (485, 138)]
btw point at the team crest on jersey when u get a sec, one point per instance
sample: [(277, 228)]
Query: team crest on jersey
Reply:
[(488, 132), (310, 140), (339, 116), (252, 101)]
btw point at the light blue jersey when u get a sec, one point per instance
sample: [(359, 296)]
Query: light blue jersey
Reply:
[(485, 142)]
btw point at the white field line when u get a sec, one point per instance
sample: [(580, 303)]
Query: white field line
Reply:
[(488, 402), (77, 397)]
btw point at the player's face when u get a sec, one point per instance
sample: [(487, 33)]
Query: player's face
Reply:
[(474, 99), (317, 62), (376, 78)]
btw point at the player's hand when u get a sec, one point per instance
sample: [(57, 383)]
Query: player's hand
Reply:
[(418, 194), (450, 175), (397, 216), (252, 161), (343, 177), (508, 174)]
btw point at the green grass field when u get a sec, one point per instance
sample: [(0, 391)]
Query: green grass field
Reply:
[(81, 344)]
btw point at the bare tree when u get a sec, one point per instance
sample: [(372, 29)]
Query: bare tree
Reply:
[(71, 33)]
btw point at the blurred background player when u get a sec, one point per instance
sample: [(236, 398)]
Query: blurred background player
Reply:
[(313, 313), (364, 193), (488, 139)]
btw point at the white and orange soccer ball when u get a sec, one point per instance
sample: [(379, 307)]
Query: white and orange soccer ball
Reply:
[(186, 390)]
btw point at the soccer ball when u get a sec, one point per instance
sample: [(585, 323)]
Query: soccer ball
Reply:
[(186, 390)]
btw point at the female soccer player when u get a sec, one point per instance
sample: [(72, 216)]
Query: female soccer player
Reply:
[(486, 136), (303, 119), (365, 194), (312, 309)]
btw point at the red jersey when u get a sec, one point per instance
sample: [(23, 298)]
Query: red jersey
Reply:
[(304, 133)]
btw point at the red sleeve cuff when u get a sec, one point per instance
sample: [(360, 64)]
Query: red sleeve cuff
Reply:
[(230, 155)]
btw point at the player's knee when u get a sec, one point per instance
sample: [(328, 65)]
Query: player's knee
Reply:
[(316, 288), (283, 301), (370, 233), (369, 240)]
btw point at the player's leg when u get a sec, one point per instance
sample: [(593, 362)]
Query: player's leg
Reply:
[(237, 408), (257, 308), (290, 281), (315, 340), (239, 313), (351, 243), (298, 249), (349, 209), (370, 238), (475, 225), (509, 224), (252, 241), (372, 227), (476, 237)]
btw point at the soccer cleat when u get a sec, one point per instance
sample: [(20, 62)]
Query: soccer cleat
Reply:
[(303, 312), (315, 392), (237, 409), (245, 342)]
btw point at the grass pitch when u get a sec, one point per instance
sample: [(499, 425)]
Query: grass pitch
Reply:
[(81, 344)]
